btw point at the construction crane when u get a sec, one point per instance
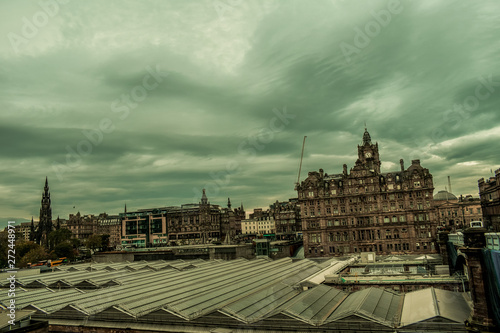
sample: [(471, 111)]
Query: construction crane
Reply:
[(301, 156)]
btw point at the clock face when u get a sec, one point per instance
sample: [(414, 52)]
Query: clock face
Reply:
[(368, 155)]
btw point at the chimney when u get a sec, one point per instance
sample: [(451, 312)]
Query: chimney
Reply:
[(402, 163), (345, 169)]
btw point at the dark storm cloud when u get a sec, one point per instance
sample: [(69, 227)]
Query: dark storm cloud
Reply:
[(239, 89)]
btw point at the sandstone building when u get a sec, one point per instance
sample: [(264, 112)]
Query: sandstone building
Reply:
[(110, 225), (82, 227), (366, 209), (287, 218), (489, 192), (456, 213), (200, 223)]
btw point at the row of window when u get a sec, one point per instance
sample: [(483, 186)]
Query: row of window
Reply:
[(369, 220), (373, 248), (361, 235), (383, 196)]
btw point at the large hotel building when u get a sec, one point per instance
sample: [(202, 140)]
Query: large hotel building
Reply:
[(366, 210)]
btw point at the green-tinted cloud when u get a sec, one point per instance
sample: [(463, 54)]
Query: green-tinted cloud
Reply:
[(241, 84)]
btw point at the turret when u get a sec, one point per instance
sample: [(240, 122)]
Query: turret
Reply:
[(204, 199), (367, 140)]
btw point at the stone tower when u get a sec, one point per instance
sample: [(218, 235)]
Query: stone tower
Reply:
[(368, 153), (45, 221)]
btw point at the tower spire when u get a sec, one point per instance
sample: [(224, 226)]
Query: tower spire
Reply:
[(367, 140), (204, 199), (45, 220), (32, 230)]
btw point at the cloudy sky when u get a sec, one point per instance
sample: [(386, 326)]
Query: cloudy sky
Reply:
[(148, 102)]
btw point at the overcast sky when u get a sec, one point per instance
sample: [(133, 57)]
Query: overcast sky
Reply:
[(148, 102)]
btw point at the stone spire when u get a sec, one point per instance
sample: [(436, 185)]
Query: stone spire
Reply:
[(32, 230), (228, 203), (45, 220)]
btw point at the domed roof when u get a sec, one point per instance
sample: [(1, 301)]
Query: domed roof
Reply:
[(445, 195)]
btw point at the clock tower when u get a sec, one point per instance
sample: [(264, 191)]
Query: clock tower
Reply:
[(368, 153)]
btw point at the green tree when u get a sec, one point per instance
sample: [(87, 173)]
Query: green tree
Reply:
[(58, 236), (94, 242), (22, 248), (104, 242), (34, 255), (75, 242), (64, 250), (3, 249)]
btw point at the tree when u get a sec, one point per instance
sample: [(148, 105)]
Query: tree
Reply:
[(22, 248), (94, 242), (105, 242), (4, 249), (34, 255), (75, 242), (64, 250), (58, 236)]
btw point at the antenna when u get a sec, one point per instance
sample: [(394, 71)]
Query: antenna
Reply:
[(449, 184), (301, 156)]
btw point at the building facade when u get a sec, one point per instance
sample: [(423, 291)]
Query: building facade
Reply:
[(287, 218), (456, 213), (249, 227), (367, 210), (200, 223), (262, 225), (489, 193), (144, 227), (24, 230), (110, 225), (82, 226)]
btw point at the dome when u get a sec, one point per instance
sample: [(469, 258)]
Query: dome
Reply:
[(445, 195)]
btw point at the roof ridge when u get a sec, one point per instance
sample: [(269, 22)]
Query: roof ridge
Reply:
[(369, 290), (434, 301)]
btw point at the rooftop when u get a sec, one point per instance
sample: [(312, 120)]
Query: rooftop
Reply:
[(259, 294), (444, 195)]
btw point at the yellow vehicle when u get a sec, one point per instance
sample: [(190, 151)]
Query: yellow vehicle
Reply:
[(40, 263), (57, 262)]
